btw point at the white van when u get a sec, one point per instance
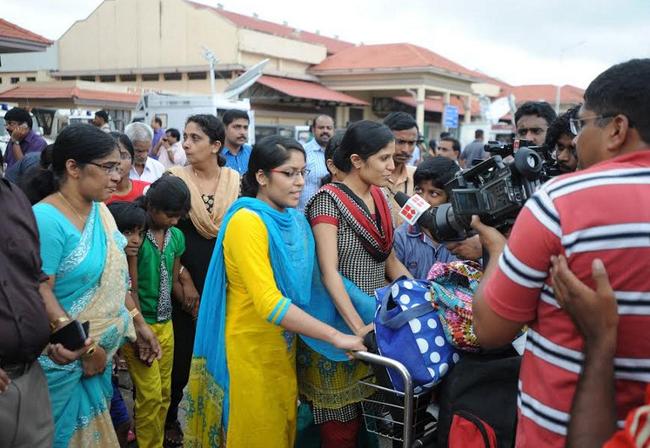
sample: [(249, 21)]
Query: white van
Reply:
[(173, 110)]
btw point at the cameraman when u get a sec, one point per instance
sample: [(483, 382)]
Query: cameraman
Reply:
[(414, 246), (532, 120), (561, 140), (599, 212)]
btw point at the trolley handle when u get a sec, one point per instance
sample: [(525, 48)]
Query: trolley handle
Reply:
[(372, 358)]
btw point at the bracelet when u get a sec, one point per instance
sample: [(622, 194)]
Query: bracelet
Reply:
[(180, 271), (90, 351), (56, 322), (134, 312)]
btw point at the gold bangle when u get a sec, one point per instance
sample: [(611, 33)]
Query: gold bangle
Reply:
[(90, 351), (134, 312), (56, 322)]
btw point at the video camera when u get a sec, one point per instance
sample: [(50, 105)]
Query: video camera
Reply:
[(494, 189)]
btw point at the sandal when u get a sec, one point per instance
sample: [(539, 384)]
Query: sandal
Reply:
[(173, 435)]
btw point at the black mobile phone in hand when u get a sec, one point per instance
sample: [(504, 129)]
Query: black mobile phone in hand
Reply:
[(72, 336)]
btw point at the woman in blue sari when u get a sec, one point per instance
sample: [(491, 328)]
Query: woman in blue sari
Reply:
[(82, 253), (243, 390)]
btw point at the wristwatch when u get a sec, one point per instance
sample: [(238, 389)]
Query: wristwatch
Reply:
[(15, 142), (59, 320)]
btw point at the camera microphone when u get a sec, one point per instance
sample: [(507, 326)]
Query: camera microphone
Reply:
[(415, 209)]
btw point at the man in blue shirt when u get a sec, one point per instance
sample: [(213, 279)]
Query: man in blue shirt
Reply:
[(322, 129), (236, 150), (414, 246), (23, 139)]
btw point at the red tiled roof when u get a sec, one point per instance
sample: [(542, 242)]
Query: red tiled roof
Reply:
[(546, 92), (308, 90), (24, 92), (333, 45), (389, 56), (436, 104), (10, 31)]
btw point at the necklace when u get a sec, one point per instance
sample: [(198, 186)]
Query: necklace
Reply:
[(81, 220), (200, 183)]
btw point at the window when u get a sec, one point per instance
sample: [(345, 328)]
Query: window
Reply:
[(31, 79), (107, 78), (150, 77), (127, 78), (356, 114), (87, 78), (197, 75), (15, 80), (68, 78), (172, 76)]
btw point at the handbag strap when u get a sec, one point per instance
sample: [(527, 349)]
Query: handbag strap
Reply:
[(402, 318)]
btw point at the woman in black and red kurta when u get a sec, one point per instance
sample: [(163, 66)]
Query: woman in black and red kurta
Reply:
[(352, 227)]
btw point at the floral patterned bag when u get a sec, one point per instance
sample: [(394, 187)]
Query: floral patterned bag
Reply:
[(452, 286)]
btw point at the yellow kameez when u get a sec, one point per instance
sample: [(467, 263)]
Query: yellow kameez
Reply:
[(260, 353)]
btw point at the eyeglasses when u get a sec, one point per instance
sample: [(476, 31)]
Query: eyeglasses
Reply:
[(108, 168), (293, 174), (576, 124), (400, 142)]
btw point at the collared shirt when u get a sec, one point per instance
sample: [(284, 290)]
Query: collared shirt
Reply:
[(153, 169), (178, 152), (154, 293), (317, 170), (24, 327), (239, 161), (474, 151), (157, 135), (106, 128), (31, 143), (600, 212), (417, 251), (403, 184)]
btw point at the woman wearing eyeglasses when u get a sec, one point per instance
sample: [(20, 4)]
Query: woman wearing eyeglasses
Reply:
[(243, 389), (213, 189), (82, 253), (352, 226), (127, 189)]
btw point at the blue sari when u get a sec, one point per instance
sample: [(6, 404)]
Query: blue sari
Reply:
[(293, 260), (90, 285)]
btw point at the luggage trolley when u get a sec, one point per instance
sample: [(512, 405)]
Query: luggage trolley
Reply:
[(394, 415)]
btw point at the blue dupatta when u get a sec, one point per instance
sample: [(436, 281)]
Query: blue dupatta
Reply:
[(293, 260)]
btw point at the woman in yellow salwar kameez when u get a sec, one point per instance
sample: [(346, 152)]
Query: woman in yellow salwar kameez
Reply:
[(242, 390)]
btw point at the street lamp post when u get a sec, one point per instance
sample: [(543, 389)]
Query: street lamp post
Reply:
[(212, 61)]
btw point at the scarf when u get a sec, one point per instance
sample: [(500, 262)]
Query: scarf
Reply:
[(208, 224), (292, 256), (376, 235)]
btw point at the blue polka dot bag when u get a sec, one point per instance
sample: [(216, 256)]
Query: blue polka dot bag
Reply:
[(408, 330)]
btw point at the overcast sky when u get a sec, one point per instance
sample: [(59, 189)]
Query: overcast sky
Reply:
[(519, 41)]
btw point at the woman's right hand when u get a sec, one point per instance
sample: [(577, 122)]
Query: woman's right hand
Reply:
[(349, 342), (95, 363)]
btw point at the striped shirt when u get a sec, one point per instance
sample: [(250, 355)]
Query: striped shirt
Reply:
[(602, 212)]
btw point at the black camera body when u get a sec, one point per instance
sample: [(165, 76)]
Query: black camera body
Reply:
[(494, 189)]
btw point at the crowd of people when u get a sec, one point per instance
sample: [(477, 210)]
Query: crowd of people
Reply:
[(233, 282)]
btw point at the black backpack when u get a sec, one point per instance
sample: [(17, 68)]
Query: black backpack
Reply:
[(478, 401)]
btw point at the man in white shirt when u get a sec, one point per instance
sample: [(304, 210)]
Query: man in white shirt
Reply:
[(169, 149), (322, 129), (144, 167)]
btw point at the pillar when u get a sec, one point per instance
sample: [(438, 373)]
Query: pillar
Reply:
[(419, 107)]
